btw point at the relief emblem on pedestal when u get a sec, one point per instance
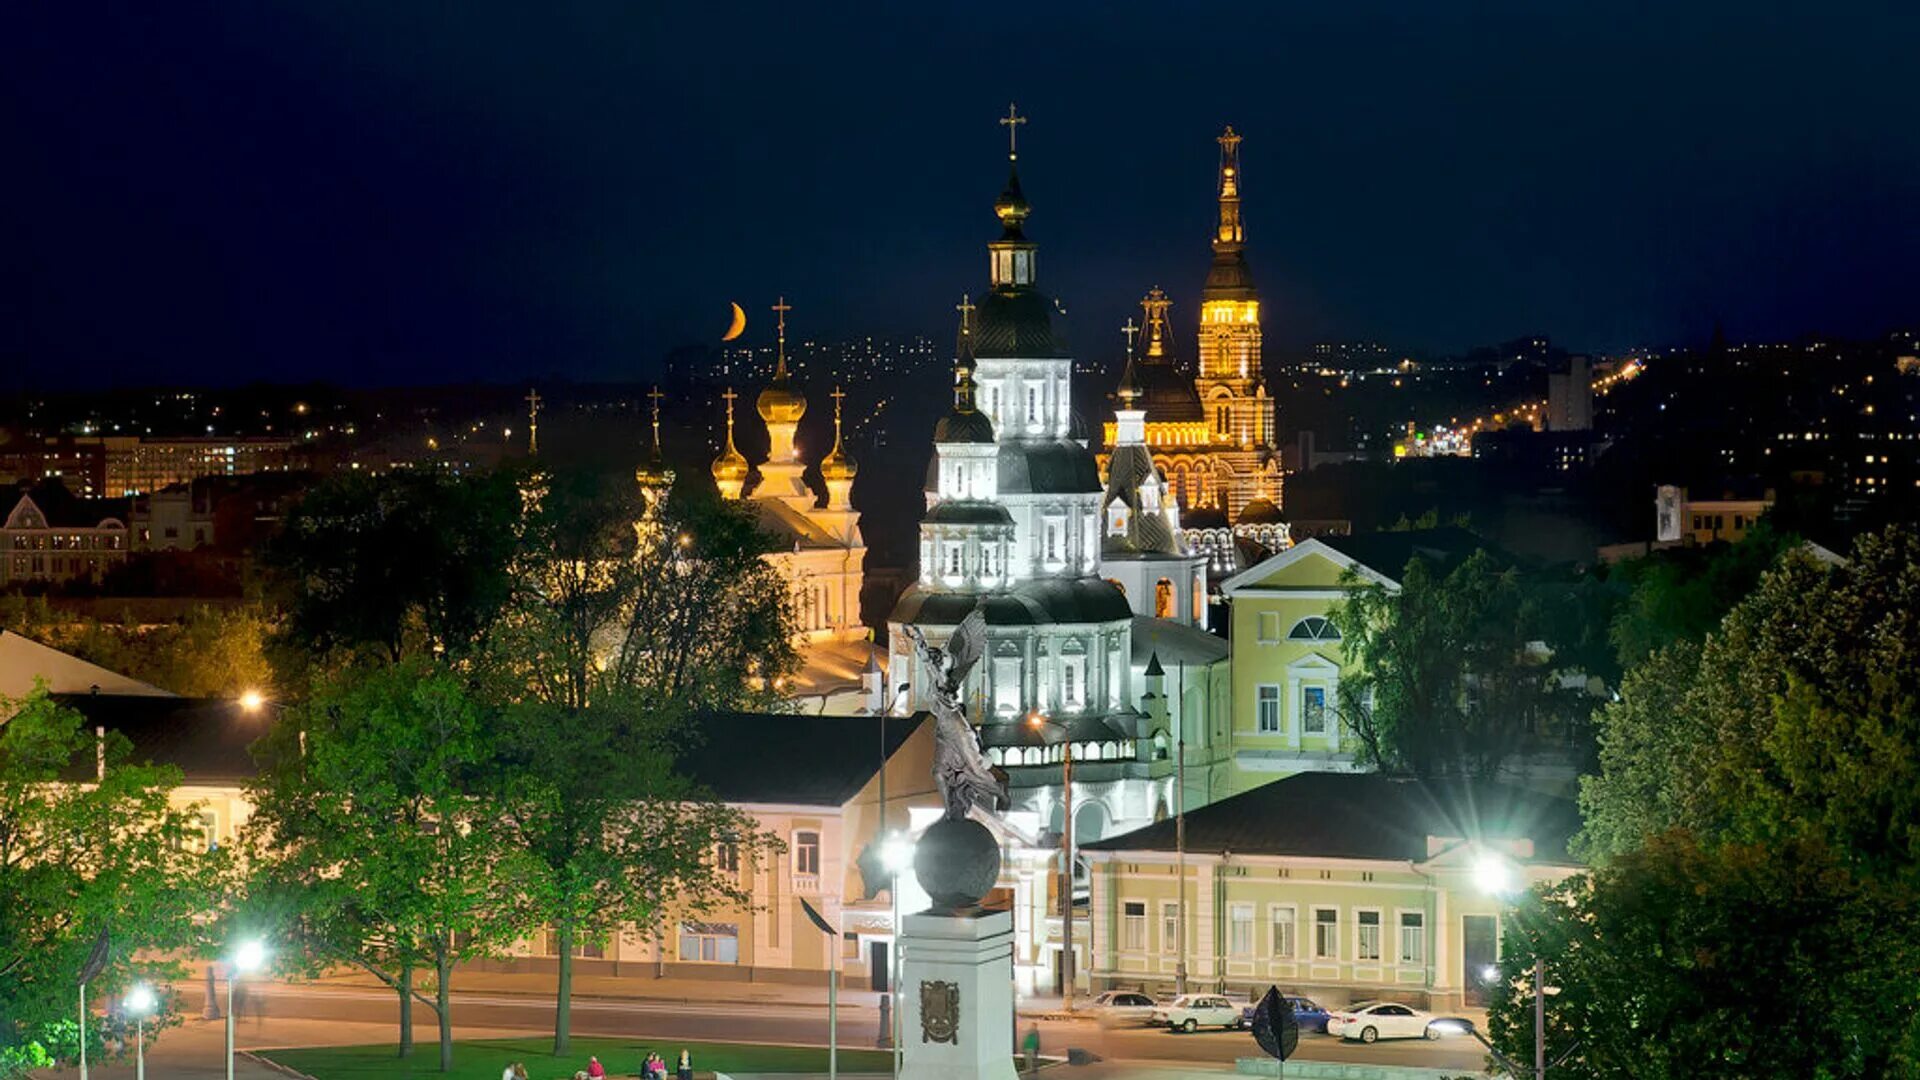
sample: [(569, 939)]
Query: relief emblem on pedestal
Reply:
[(940, 1012)]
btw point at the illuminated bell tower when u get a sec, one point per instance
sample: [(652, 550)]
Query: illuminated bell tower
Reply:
[(1239, 413), (781, 406)]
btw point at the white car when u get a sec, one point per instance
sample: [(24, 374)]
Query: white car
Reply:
[(1116, 1008), (1190, 1011), (1371, 1020)]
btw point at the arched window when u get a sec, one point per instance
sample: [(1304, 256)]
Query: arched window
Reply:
[(1223, 420), (1313, 628), (1163, 604)]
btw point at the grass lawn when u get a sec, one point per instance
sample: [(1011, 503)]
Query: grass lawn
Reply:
[(484, 1059)]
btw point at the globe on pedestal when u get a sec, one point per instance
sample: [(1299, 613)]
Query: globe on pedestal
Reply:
[(957, 862)]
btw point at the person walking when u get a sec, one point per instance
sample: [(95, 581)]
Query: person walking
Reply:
[(1030, 1046)]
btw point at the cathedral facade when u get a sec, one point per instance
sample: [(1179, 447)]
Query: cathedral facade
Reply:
[(821, 549), (1213, 434)]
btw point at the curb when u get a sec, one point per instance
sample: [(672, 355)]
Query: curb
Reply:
[(283, 1070)]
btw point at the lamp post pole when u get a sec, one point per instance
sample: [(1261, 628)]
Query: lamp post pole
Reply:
[(1180, 836), (1539, 1018), (230, 974), (1066, 880)]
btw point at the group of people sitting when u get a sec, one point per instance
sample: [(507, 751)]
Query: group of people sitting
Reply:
[(653, 1068)]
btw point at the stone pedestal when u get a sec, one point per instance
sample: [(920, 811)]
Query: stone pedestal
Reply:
[(956, 996)]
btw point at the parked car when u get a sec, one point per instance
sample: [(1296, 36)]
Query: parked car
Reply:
[(1190, 1011), (1116, 1008), (1310, 1016), (1371, 1020)]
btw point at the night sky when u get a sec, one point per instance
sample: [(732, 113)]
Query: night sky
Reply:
[(410, 192)]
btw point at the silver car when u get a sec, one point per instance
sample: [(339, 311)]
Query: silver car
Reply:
[(1121, 1008)]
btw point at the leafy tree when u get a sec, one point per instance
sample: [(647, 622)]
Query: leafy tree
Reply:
[(211, 651), (1447, 676), (397, 564), (375, 842), (1737, 961), (1796, 716), (1682, 594), (614, 635), (112, 853)]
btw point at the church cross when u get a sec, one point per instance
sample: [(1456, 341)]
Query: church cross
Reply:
[(1013, 120), (1129, 329), (781, 307), (965, 308), (533, 422)]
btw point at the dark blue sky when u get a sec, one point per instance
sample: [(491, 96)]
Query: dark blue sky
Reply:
[(413, 192)]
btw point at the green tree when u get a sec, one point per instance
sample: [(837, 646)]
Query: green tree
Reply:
[(1447, 676), (615, 634), (1682, 594), (375, 841), (398, 564), (82, 852), (1796, 715), (1737, 961)]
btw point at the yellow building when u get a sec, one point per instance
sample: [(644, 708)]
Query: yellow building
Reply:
[(1288, 658), (1341, 886), (825, 786)]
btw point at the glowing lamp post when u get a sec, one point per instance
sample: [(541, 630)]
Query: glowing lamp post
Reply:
[(248, 958), (140, 1003), (1039, 723), (252, 700), (896, 855)]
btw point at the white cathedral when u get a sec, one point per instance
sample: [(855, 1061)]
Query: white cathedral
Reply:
[(1086, 587)]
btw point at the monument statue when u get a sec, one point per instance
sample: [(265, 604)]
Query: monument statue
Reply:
[(962, 774)]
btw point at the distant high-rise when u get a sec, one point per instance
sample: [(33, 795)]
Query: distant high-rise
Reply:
[(1570, 396)]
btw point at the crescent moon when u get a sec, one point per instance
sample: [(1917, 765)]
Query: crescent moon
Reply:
[(739, 324)]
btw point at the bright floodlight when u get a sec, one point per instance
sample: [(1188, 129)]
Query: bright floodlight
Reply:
[(897, 853), (251, 700), (140, 999), (250, 956), (1490, 973), (1493, 875)]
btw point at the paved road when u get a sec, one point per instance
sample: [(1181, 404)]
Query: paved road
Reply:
[(801, 1023)]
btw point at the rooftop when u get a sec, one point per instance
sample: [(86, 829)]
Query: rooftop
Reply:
[(1362, 816)]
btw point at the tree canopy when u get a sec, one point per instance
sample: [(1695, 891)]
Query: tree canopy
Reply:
[(116, 855)]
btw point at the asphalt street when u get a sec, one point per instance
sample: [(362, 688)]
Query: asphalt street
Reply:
[(777, 1022)]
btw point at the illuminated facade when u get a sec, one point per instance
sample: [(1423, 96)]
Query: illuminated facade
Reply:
[(1214, 437), (824, 555)]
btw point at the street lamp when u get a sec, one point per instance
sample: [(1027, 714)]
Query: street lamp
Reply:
[(251, 700), (250, 957), (1038, 722), (1495, 875), (140, 1002), (896, 854)]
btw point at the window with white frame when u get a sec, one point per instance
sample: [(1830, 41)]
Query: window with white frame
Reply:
[(1072, 680), (1326, 934), (1033, 404), (1413, 937), (709, 943), (1240, 929), (806, 853), (1053, 540), (1283, 918), (1266, 699), (953, 559), (1006, 684), (1366, 935), (1169, 926), (1269, 628), (1314, 628), (1313, 710), (1133, 926)]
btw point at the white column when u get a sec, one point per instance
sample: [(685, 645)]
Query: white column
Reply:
[(1290, 712)]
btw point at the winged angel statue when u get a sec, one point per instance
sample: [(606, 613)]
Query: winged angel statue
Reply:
[(959, 770)]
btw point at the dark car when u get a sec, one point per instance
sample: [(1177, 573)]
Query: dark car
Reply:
[(1308, 1015)]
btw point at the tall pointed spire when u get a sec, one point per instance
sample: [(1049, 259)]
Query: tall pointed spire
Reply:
[(533, 423), (779, 402), (1229, 279), (653, 475), (654, 397)]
